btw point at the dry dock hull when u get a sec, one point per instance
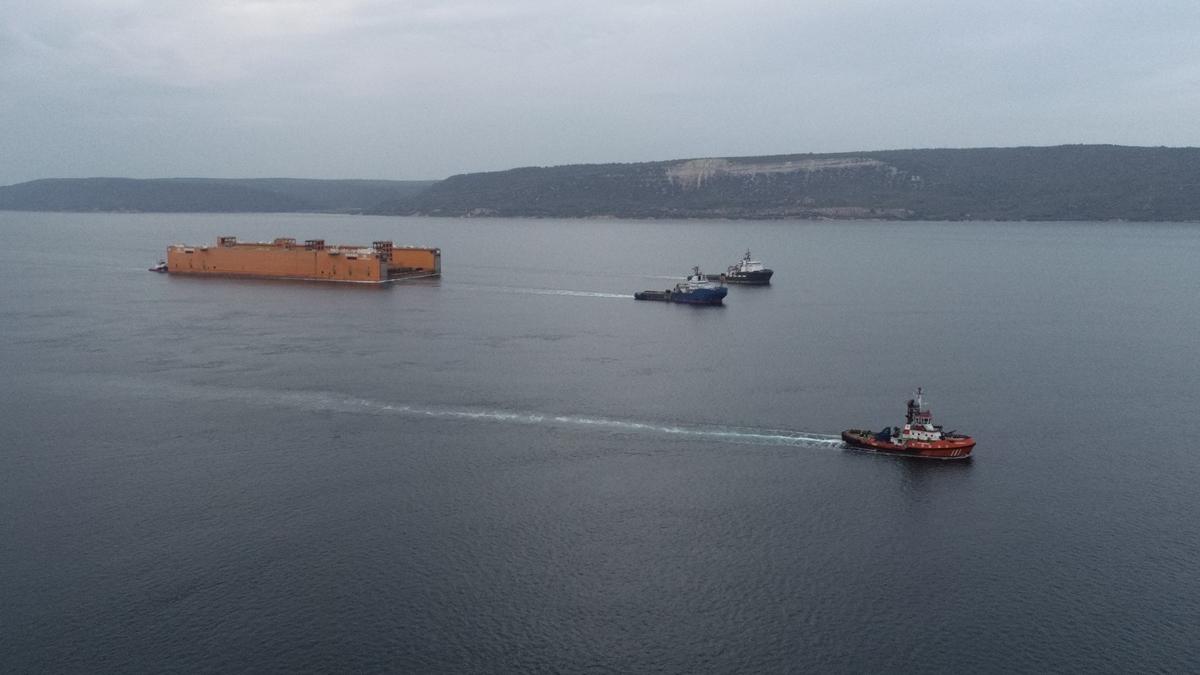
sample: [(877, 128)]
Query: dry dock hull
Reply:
[(955, 448), (313, 260), (364, 282)]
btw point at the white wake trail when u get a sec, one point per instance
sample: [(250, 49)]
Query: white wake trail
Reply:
[(322, 401), (542, 291), (741, 435)]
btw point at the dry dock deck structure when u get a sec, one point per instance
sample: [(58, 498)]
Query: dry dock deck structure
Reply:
[(380, 263)]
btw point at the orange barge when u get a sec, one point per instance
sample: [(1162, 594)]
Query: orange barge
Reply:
[(380, 263)]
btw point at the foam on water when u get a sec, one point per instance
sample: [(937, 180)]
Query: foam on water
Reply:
[(338, 403), (712, 432), (541, 291)]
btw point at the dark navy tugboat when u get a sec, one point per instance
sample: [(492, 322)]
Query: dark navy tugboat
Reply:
[(696, 290), (747, 271), (919, 437)]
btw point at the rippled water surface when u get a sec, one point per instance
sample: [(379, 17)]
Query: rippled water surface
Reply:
[(518, 467)]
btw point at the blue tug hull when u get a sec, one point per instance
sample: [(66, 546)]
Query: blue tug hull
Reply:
[(700, 296), (695, 291)]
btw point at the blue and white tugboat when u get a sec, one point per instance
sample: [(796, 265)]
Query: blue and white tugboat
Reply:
[(696, 290), (747, 271)]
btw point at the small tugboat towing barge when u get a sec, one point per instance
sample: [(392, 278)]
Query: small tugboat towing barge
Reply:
[(697, 290), (919, 437)]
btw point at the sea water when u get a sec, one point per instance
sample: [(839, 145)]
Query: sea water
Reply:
[(518, 467)]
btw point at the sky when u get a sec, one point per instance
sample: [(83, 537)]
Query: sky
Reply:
[(417, 89)]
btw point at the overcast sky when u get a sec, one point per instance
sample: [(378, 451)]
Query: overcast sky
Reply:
[(414, 89)]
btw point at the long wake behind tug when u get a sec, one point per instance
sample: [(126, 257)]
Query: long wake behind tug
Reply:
[(919, 437)]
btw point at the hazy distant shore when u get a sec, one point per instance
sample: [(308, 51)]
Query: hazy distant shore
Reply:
[(1061, 183)]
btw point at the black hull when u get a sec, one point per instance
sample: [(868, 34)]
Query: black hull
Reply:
[(762, 278)]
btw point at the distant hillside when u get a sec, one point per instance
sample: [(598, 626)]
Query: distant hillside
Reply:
[(1070, 182), (1077, 182), (205, 194)]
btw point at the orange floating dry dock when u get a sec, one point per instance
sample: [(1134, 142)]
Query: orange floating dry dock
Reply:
[(283, 258)]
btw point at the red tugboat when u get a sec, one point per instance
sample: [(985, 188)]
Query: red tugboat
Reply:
[(919, 437)]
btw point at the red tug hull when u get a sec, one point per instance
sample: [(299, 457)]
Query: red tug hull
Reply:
[(918, 437), (948, 448)]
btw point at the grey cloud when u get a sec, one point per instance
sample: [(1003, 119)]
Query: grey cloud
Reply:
[(349, 88)]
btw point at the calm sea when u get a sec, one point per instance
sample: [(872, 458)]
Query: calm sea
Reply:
[(520, 468)]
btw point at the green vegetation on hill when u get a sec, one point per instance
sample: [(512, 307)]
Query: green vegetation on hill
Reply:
[(209, 195), (1078, 182), (1070, 182)]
